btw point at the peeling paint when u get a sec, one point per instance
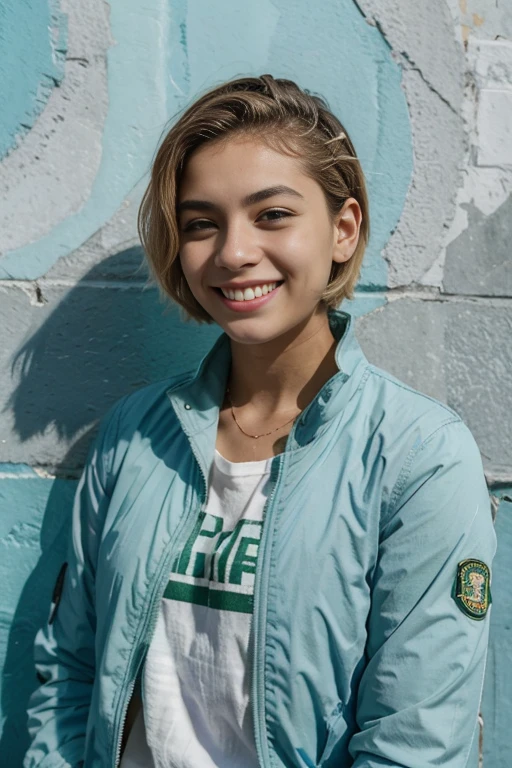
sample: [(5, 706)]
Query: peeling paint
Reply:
[(434, 90), (486, 180), (488, 19)]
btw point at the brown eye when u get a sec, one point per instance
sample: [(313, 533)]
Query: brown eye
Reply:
[(276, 214), (197, 225)]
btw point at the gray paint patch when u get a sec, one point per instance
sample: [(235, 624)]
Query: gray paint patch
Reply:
[(449, 350), (423, 41), (478, 364), (479, 260), (422, 37), (429, 207), (406, 339)]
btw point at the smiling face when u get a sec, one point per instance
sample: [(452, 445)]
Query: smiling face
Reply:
[(256, 240)]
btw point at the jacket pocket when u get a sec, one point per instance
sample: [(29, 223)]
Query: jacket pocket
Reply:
[(338, 735)]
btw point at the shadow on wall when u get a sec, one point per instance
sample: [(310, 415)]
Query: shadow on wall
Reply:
[(99, 341), (103, 339)]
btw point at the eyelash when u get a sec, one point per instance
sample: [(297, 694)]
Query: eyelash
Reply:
[(192, 227)]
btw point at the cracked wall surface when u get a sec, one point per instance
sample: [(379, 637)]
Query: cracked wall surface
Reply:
[(424, 90)]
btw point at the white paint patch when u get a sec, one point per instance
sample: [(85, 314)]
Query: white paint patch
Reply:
[(494, 128), (492, 66), (492, 63)]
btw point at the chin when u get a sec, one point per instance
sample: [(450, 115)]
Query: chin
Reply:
[(248, 336), (255, 331)]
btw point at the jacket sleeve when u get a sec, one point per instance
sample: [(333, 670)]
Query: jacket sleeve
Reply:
[(64, 647), (420, 692)]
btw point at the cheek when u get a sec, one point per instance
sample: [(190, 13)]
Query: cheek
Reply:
[(292, 247), (312, 235), (307, 254), (191, 263)]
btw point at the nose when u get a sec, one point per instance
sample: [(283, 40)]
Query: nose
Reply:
[(237, 247)]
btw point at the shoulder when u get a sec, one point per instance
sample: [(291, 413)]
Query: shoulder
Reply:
[(413, 406), (408, 416), (407, 410), (421, 437)]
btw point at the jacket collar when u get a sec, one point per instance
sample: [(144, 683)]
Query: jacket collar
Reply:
[(197, 401)]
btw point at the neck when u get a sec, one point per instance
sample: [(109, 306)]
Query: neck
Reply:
[(285, 373)]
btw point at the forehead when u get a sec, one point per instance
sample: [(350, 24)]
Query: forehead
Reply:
[(240, 165)]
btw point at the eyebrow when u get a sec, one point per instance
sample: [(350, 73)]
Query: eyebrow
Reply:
[(252, 199)]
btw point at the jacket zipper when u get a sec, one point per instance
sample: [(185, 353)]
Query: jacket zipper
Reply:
[(259, 623), (258, 626), (258, 685), (150, 620)]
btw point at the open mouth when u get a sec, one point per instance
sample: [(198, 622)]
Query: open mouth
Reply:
[(249, 294)]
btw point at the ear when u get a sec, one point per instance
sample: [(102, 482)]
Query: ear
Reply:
[(346, 231)]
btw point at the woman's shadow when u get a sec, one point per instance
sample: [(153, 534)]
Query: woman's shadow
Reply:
[(105, 338)]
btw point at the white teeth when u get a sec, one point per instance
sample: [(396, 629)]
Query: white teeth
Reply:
[(248, 293)]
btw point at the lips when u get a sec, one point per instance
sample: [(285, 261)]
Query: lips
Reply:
[(249, 304), (249, 293)]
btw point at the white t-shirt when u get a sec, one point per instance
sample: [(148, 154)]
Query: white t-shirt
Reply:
[(196, 678)]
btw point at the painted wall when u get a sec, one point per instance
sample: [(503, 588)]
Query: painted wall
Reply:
[(425, 90)]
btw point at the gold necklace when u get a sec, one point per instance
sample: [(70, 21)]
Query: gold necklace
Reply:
[(264, 434)]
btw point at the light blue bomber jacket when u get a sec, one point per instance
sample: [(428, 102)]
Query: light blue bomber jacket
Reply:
[(362, 655)]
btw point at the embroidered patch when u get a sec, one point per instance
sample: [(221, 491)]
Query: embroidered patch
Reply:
[(472, 591)]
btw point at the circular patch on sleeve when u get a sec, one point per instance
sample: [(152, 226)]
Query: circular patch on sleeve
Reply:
[(472, 591)]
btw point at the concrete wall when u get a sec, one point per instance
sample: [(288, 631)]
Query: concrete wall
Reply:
[(86, 89)]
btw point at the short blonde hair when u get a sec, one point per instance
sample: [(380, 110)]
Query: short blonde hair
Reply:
[(288, 119)]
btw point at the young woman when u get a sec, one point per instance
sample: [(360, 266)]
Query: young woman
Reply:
[(274, 558)]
